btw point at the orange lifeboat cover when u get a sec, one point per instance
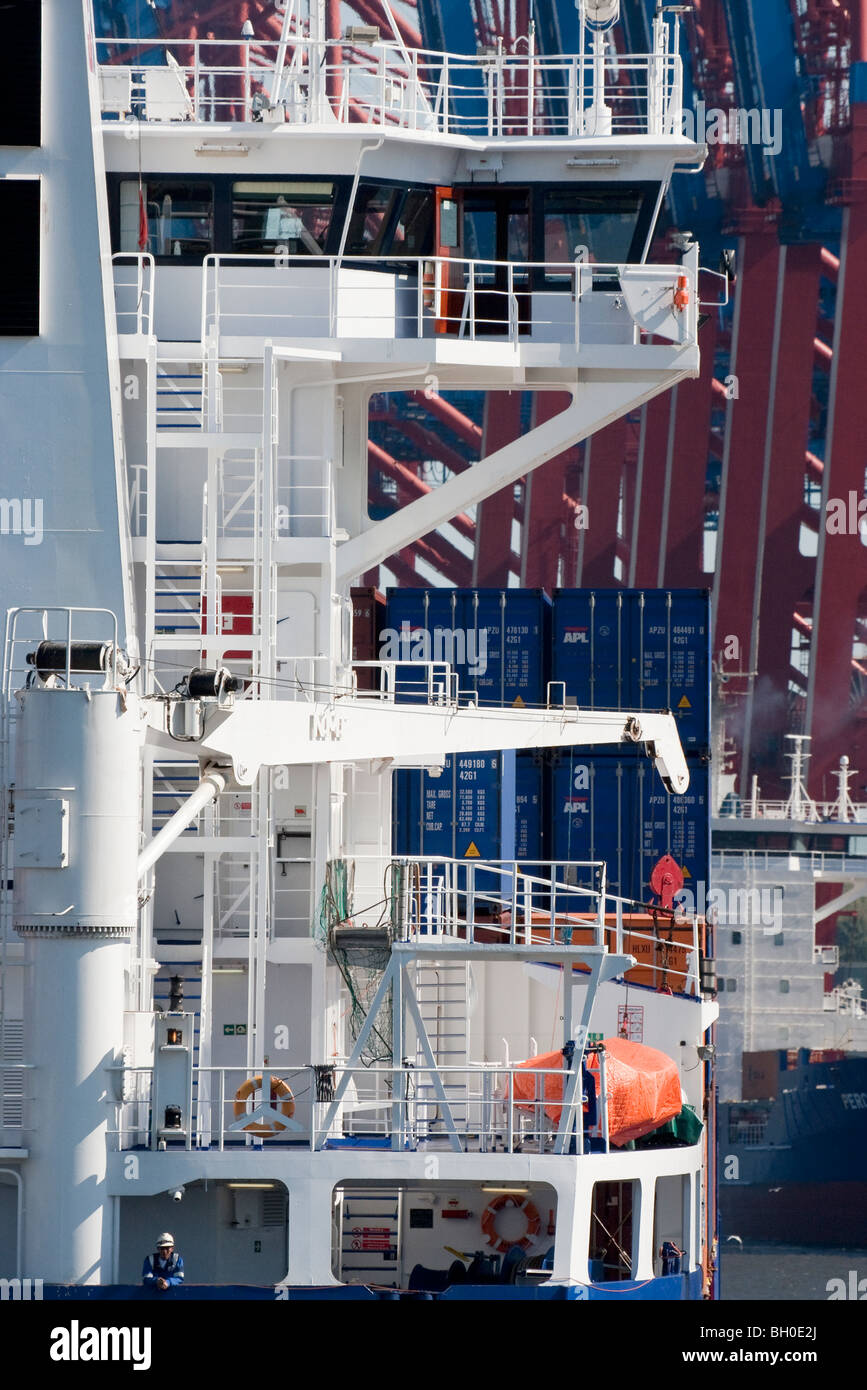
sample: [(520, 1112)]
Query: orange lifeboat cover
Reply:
[(529, 1089), (643, 1087)]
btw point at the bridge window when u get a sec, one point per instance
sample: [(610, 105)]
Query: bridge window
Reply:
[(294, 214), (19, 248), (179, 217), (414, 230), (21, 86), (611, 223), (371, 219)]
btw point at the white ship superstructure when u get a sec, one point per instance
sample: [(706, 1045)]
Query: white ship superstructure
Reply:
[(226, 1008), (782, 869)]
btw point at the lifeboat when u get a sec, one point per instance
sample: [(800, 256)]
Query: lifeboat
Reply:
[(643, 1087)]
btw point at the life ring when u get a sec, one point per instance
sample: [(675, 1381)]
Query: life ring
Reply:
[(492, 1211), (279, 1091)]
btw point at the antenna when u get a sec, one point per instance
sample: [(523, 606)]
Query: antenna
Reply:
[(800, 805), (599, 14)]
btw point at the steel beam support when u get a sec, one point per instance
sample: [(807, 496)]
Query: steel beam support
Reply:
[(653, 449), (595, 404), (492, 560), (841, 573), (603, 472), (784, 576), (741, 523), (681, 563), (544, 544)]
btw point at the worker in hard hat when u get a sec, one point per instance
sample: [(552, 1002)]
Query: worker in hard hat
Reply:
[(165, 1268)]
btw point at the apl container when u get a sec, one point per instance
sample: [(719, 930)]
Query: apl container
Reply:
[(614, 807), (497, 640), (641, 649), (483, 806)]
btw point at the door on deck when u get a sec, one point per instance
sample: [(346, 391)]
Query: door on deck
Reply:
[(611, 1231), (495, 227)]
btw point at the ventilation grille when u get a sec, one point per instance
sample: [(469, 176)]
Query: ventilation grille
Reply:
[(12, 1081), (274, 1209)]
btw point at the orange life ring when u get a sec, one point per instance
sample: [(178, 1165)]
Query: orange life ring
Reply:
[(492, 1211), (279, 1091)]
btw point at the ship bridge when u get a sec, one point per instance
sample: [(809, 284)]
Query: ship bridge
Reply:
[(415, 206)]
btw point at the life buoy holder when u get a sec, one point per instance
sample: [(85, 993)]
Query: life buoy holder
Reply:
[(489, 1222), (279, 1092)]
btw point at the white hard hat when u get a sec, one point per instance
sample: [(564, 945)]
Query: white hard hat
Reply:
[(165, 1239)]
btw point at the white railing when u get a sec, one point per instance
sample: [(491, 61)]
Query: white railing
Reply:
[(419, 682), (501, 1107), (787, 862), (305, 502), (524, 903), (420, 297), (814, 812), (134, 291), (501, 901), (392, 88)]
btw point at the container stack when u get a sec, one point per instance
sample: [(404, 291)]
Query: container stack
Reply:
[(598, 649), (633, 649), (483, 805)]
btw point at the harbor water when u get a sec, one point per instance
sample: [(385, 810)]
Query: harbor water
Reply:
[(785, 1273)]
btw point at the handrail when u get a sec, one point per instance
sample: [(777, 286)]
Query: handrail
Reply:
[(142, 286), (111, 676), (392, 1098), (384, 86), (407, 296)]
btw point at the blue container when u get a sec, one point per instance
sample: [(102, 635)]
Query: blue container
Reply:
[(468, 812), (641, 649), (496, 639), (483, 806), (615, 808), (529, 807)]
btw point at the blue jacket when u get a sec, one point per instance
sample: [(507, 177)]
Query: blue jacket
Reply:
[(172, 1270)]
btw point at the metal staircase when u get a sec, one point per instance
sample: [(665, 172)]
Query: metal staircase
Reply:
[(442, 991), (179, 400)]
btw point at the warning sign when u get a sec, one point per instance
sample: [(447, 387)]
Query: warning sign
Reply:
[(630, 1022), (518, 703), (472, 852), (683, 703), (371, 1238)]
